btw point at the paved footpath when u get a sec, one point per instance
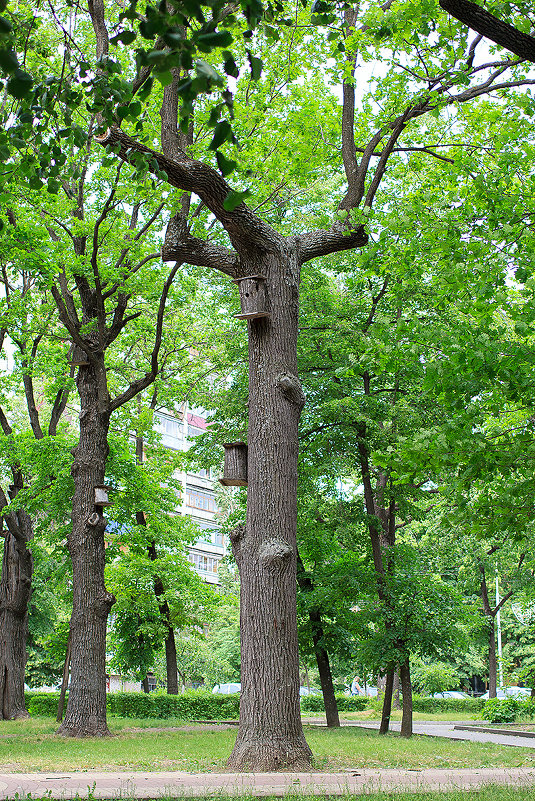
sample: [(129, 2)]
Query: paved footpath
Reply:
[(447, 729), (132, 785)]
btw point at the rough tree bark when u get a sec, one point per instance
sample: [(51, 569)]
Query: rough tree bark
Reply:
[(406, 689), (86, 708), (15, 592), (386, 711)]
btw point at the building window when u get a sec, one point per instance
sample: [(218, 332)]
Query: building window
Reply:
[(170, 426), (199, 498), (202, 562)]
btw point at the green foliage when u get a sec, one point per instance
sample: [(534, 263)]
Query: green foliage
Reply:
[(502, 710), (433, 678), (345, 703), (421, 703), (191, 705), (42, 703)]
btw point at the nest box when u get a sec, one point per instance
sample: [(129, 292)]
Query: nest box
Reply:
[(235, 467), (253, 297), (101, 495), (79, 357)]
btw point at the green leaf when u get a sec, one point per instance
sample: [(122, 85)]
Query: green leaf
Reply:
[(233, 199), (8, 60), (222, 132), (256, 66), (20, 84), (207, 71), (5, 26), (208, 41), (226, 166)]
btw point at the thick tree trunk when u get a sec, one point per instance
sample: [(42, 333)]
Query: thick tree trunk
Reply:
[(406, 689), (15, 592), (492, 658), (387, 702), (86, 709), (270, 734)]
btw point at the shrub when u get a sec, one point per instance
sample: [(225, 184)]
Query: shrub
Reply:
[(191, 705), (346, 703), (422, 703), (43, 703), (506, 710)]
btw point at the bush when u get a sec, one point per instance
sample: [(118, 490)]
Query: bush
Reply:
[(423, 703), (191, 705), (346, 703), (506, 710), (42, 703)]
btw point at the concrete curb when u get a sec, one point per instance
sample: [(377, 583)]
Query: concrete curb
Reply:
[(135, 785), (489, 730)]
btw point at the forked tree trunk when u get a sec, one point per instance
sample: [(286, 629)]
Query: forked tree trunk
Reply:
[(387, 702), (86, 708), (15, 591), (406, 689), (270, 734)]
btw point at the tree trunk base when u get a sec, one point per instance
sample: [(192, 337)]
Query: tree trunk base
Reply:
[(22, 714), (82, 730), (270, 755)]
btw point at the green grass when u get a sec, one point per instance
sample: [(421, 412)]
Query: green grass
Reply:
[(490, 793), (31, 745)]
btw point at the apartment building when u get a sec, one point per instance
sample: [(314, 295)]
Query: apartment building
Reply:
[(198, 497)]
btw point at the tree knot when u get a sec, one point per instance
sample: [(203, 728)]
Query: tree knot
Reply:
[(274, 553), (290, 387)]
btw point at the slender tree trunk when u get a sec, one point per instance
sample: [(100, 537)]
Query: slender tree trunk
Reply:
[(396, 703), (270, 734), (322, 657), (492, 658), (86, 709), (406, 689), (64, 680), (145, 684), (324, 668), (15, 592), (387, 702), (170, 645)]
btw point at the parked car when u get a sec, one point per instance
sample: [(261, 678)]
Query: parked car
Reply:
[(451, 694), (227, 689), (509, 692), (309, 691)]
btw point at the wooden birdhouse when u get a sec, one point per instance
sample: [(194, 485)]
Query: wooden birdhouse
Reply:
[(101, 495), (235, 467), (253, 297), (79, 357)]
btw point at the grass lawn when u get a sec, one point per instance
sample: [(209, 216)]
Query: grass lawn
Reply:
[(31, 745)]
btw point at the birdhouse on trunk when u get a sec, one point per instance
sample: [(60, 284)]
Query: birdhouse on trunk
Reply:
[(235, 467), (101, 495), (79, 357), (253, 297)]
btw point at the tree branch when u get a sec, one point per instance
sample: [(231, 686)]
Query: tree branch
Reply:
[(490, 26)]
